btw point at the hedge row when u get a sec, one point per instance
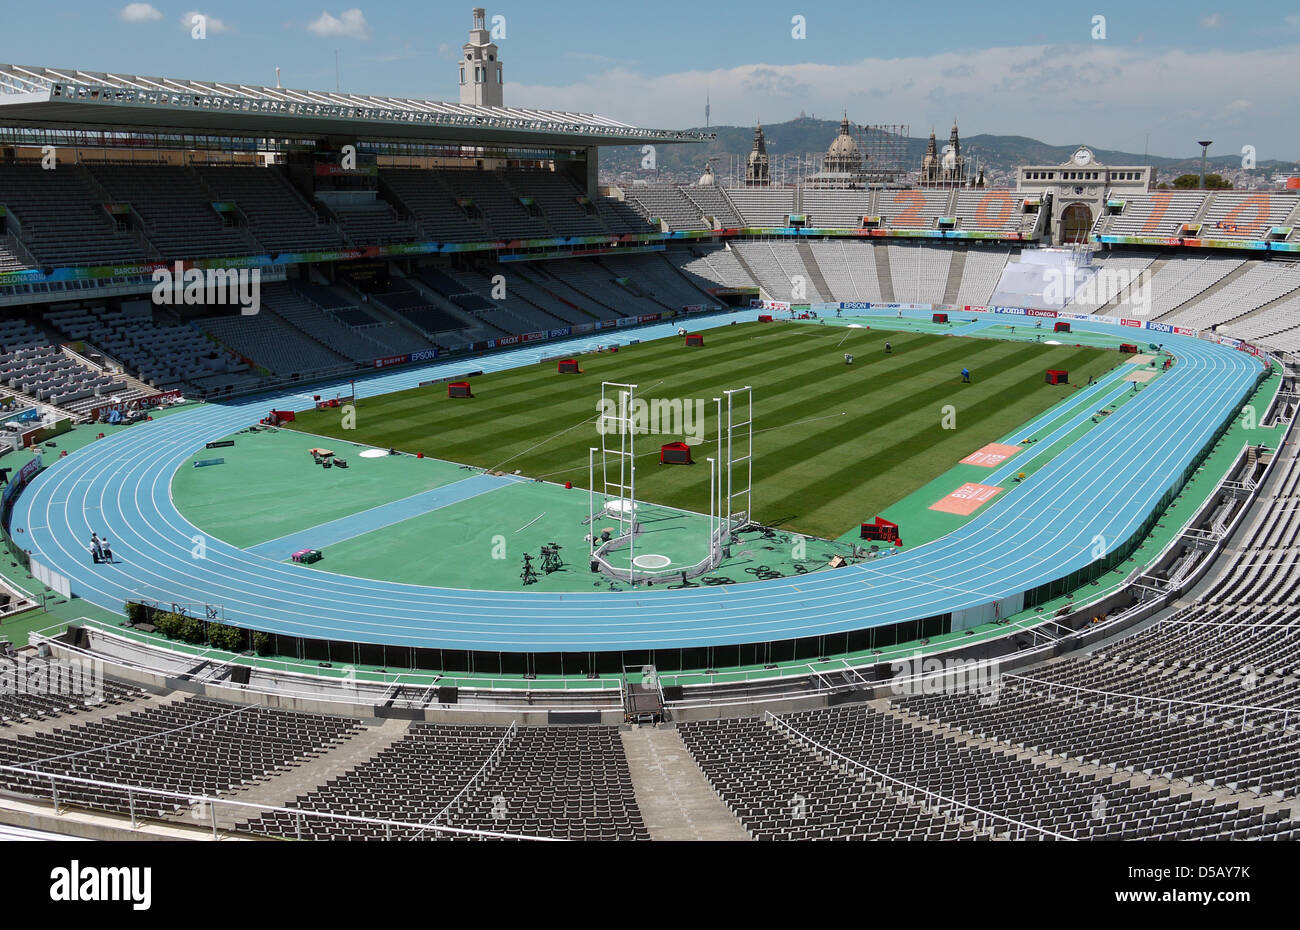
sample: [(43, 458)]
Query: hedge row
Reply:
[(196, 632)]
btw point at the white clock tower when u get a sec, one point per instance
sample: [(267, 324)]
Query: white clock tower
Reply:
[(481, 82)]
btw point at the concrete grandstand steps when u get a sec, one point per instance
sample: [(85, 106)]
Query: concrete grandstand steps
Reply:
[(1122, 298), (883, 274), (748, 268), (814, 269), (555, 289), (682, 276), (302, 779), (1204, 209), (1240, 271), (955, 271), (676, 800), (1293, 218), (1265, 308)]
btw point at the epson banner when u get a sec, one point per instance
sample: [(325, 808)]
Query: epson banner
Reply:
[(1159, 327), (424, 355), (561, 333)]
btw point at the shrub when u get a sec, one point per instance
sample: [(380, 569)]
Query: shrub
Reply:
[(190, 630), (229, 638)]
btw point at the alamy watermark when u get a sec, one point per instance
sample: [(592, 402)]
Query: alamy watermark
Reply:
[(210, 287), (1063, 284), (76, 678), (667, 416), (918, 675)]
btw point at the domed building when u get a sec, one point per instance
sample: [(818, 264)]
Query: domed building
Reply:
[(843, 155), (843, 165)]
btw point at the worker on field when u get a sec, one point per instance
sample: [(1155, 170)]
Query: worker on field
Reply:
[(888, 349), (965, 376)]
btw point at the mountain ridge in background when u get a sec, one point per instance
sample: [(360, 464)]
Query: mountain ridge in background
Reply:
[(999, 154)]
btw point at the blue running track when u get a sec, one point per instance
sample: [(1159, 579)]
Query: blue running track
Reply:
[(1106, 485)]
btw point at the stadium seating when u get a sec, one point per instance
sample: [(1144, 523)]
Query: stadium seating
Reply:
[(981, 273), (668, 203), (278, 218), (561, 782), (836, 209), (765, 207), (62, 218), (919, 272), (779, 266), (273, 343), (849, 269), (1114, 270), (1261, 284), (714, 202), (1183, 278), (434, 206), (779, 790), (1003, 783), (17, 706), (33, 367), (165, 353), (915, 209), (499, 204), (195, 746), (300, 312), (1157, 213), (559, 200), (1246, 214), (711, 267), (179, 220)]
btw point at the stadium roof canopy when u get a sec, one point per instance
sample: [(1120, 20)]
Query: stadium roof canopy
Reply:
[(64, 98)]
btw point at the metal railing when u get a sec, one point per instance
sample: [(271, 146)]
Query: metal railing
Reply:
[(1038, 686), (148, 805), (984, 820)]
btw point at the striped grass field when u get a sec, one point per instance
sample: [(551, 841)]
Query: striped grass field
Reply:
[(834, 444)]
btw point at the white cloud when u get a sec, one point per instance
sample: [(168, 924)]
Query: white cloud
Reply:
[(447, 53), (213, 26), (140, 13), (1061, 94), (1213, 21), (350, 24), (1293, 21)]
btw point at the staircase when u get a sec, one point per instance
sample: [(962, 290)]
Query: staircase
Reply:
[(883, 274), (749, 269), (814, 270), (955, 271), (675, 799)]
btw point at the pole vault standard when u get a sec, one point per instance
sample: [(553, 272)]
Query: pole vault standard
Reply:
[(740, 433), (730, 478), (617, 418)]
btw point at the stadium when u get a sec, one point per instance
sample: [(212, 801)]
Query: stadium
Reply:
[(374, 470)]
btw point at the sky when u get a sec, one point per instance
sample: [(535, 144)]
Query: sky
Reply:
[(1101, 73)]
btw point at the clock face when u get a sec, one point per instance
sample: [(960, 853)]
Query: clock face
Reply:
[(1083, 157)]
